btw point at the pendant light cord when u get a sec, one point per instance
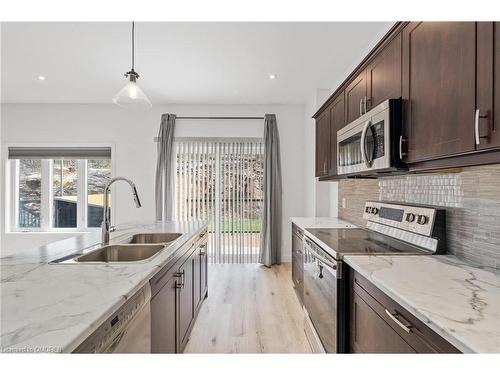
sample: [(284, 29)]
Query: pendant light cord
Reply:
[(133, 45)]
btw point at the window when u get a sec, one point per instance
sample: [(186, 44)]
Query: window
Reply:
[(29, 192), (64, 193), (54, 192), (98, 173)]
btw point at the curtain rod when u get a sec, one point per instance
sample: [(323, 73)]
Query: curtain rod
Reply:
[(217, 118)]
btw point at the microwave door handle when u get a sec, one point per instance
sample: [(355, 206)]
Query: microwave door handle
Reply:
[(363, 142)]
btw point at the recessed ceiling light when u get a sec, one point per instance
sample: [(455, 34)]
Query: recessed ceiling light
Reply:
[(40, 78), (273, 76)]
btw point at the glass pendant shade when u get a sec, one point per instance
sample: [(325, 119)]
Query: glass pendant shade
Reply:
[(131, 96)]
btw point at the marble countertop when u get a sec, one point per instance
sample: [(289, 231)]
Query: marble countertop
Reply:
[(321, 222), (459, 301), (54, 307)]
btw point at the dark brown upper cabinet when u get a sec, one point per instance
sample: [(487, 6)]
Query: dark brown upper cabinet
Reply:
[(323, 144), (337, 122), (438, 89), (355, 97), (383, 74), (487, 116), (448, 74)]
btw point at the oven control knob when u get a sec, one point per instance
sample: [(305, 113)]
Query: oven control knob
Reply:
[(410, 217), (368, 209), (374, 210), (422, 219)]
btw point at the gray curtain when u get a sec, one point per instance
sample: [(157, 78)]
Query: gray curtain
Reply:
[(270, 244), (164, 187)]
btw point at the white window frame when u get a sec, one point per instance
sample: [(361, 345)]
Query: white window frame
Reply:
[(46, 218)]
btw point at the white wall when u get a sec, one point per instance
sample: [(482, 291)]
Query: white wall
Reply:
[(132, 135), (309, 160)]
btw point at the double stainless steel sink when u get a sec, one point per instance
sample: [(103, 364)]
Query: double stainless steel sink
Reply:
[(154, 238), (140, 247)]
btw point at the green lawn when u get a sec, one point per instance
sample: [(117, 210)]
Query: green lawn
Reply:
[(248, 226)]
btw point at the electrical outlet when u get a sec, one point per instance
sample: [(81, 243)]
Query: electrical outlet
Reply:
[(344, 203)]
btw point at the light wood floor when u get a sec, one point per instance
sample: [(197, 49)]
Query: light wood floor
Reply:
[(250, 309)]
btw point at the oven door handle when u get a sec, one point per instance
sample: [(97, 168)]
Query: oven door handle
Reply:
[(363, 143), (322, 259), (325, 261)]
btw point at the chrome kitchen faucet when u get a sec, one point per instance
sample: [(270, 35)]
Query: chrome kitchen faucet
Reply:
[(106, 227)]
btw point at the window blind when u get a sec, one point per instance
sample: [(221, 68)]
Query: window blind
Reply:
[(222, 181), (59, 152)]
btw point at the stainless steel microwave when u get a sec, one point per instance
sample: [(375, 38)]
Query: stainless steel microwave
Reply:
[(372, 144)]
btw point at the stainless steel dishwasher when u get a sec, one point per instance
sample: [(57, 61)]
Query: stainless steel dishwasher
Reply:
[(128, 330)]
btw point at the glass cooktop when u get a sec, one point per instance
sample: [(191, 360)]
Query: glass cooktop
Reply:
[(357, 241)]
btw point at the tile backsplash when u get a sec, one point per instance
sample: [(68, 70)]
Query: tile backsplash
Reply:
[(471, 198)]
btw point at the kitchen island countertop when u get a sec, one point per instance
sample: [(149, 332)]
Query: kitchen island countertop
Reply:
[(54, 307)]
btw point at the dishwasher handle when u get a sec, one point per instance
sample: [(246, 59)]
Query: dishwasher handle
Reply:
[(112, 347)]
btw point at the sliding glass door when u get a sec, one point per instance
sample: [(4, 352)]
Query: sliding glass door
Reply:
[(221, 180)]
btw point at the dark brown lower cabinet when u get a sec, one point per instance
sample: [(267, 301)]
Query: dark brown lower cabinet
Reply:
[(163, 314), (203, 256), (186, 300), (298, 261), (200, 274), (196, 279), (178, 291), (380, 325), (371, 334)]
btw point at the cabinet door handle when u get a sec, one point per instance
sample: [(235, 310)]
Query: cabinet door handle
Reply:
[(181, 284), (203, 252), (324, 167), (365, 104), (402, 154), (476, 126), (404, 327), (361, 107)]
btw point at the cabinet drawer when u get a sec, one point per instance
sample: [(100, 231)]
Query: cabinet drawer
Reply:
[(371, 334), (414, 332), (171, 267), (168, 271)]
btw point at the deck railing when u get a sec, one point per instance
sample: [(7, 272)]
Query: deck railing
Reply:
[(64, 213)]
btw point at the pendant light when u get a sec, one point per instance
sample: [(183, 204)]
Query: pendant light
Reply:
[(131, 96)]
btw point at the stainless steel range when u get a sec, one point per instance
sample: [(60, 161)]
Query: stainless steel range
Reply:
[(392, 228)]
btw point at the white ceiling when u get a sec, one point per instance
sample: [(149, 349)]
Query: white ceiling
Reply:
[(202, 63)]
